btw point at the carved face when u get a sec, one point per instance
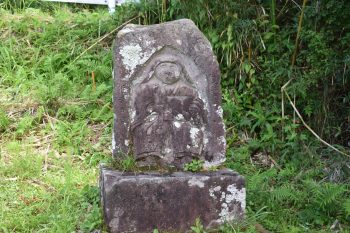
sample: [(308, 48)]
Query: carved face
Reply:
[(168, 72)]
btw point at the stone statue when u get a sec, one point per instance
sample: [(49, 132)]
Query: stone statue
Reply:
[(170, 117), (173, 110), (167, 113)]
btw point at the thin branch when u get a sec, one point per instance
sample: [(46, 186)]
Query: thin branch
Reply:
[(283, 89), (310, 129), (103, 37), (296, 4)]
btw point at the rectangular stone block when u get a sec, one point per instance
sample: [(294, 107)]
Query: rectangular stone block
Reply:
[(170, 202)]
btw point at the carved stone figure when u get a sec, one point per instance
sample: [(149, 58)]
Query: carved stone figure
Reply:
[(170, 117), (167, 96)]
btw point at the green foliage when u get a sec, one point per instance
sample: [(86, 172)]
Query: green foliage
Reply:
[(249, 224), (128, 163), (24, 125), (346, 206), (198, 227), (194, 166), (93, 219), (71, 135), (4, 121), (55, 122), (54, 126), (17, 4), (24, 165)]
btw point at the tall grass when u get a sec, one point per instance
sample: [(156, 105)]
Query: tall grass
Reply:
[(54, 126), (18, 4)]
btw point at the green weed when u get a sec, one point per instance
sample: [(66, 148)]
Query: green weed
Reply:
[(4, 121), (198, 227), (194, 166)]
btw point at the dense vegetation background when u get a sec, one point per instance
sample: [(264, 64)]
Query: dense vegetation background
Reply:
[(56, 116)]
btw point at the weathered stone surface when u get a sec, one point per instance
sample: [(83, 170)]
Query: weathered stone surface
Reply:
[(170, 202), (167, 97)]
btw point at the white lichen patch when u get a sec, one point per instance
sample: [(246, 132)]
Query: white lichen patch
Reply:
[(223, 195), (201, 96), (214, 190), (113, 141), (167, 150), (177, 124), (179, 117), (179, 42), (238, 195), (211, 193), (220, 111), (194, 133), (225, 214), (223, 126), (132, 115), (222, 140), (132, 56), (198, 181), (207, 165), (229, 198), (205, 141), (149, 42), (126, 142)]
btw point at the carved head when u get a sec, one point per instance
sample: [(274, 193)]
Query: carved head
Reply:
[(168, 72)]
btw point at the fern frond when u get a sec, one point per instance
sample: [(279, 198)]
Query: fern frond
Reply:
[(346, 206), (284, 193)]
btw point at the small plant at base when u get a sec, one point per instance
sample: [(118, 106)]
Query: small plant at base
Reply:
[(198, 227), (125, 163), (194, 166), (128, 163)]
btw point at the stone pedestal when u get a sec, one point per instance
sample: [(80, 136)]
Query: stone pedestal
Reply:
[(170, 202)]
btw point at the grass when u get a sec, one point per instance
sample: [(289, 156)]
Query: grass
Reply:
[(55, 129), (55, 125)]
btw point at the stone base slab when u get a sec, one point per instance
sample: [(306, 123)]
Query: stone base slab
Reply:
[(170, 202)]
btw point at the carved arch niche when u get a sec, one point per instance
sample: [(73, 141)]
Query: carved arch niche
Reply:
[(169, 110)]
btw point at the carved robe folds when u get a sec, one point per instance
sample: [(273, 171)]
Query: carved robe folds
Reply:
[(169, 125)]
